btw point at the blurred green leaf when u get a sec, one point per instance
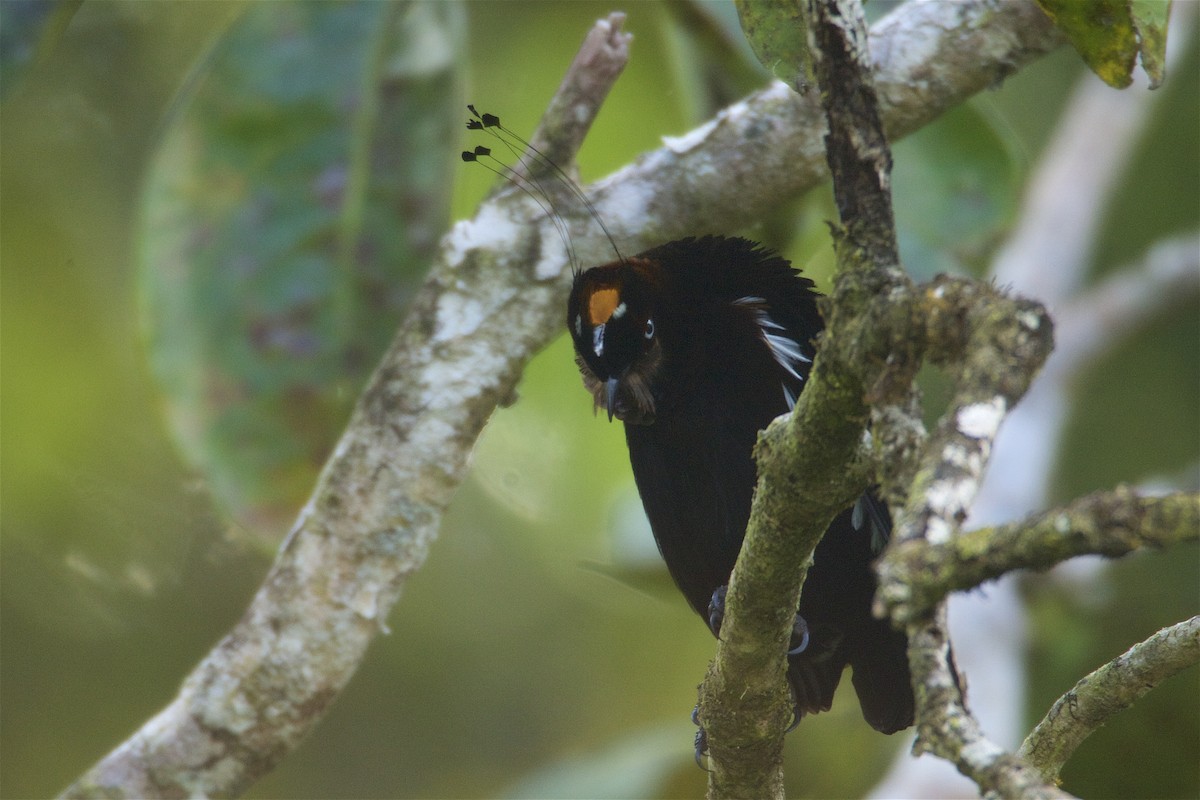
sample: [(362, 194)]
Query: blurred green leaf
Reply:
[(524, 462), (636, 766), (29, 29), (713, 66), (778, 34), (288, 215), (710, 61), (956, 187), (1109, 35)]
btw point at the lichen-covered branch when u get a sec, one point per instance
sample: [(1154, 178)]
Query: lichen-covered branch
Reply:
[(821, 441), (946, 728), (1110, 689), (379, 500), (596, 67), (1065, 199), (731, 171), (368, 525), (1110, 523), (1105, 523), (879, 329), (993, 345)]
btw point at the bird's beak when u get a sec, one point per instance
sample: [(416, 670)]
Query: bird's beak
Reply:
[(610, 396)]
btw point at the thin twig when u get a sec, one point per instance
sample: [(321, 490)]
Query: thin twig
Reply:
[(1110, 689), (1109, 524), (597, 65)]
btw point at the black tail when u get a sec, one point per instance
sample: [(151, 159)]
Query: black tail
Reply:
[(836, 604)]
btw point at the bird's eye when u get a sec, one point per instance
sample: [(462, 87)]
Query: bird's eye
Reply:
[(649, 329)]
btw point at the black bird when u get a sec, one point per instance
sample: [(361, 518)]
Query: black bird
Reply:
[(696, 345)]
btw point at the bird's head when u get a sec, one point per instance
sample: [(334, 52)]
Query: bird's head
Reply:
[(612, 320)]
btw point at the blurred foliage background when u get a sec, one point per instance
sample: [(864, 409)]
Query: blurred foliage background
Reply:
[(212, 217)]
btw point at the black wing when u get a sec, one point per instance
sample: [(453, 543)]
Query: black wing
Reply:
[(836, 604)]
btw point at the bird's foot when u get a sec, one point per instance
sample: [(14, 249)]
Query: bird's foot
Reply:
[(799, 640), (700, 743), (716, 610), (716, 615)]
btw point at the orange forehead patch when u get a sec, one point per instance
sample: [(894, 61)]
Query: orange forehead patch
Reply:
[(601, 305)]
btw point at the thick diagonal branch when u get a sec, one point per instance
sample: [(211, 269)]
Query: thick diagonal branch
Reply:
[(733, 170), (368, 525)]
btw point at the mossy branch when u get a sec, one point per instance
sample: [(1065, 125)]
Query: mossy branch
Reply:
[(1110, 689), (993, 345), (880, 330), (872, 347), (1110, 524), (743, 701)]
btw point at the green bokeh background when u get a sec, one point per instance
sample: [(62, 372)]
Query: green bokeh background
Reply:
[(541, 651)]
